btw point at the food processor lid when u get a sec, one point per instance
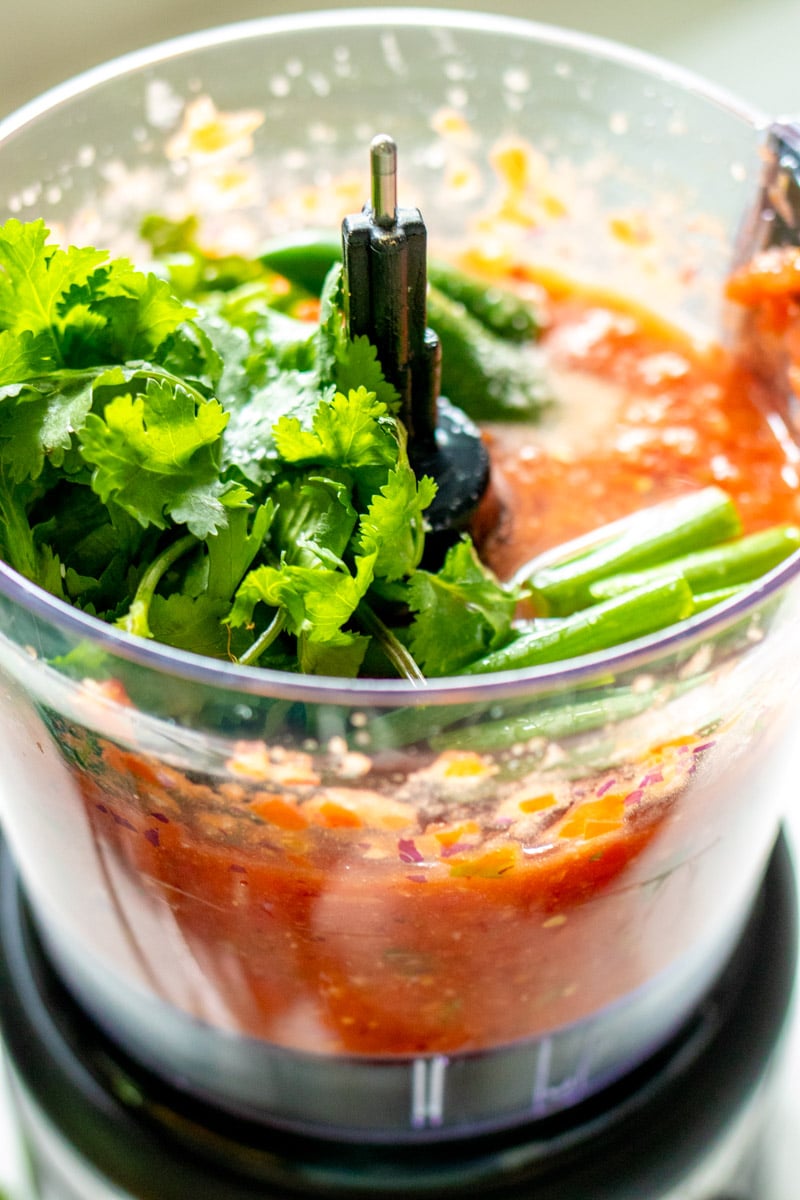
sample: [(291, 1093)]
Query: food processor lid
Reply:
[(688, 1114)]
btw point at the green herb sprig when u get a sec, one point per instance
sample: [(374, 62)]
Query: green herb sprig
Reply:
[(218, 473)]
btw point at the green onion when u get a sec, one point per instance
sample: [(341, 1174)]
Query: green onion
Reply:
[(562, 721), (647, 538), (639, 612), (706, 600), (718, 568)]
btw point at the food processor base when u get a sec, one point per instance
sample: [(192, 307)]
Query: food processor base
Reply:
[(688, 1125)]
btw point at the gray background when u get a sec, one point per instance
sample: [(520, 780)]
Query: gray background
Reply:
[(750, 47)]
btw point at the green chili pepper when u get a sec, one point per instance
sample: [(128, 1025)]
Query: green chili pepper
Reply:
[(486, 370), (647, 538), (500, 311), (489, 378), (639, 612), (303, 258)]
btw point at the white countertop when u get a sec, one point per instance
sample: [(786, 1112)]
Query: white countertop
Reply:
[(747, 46)]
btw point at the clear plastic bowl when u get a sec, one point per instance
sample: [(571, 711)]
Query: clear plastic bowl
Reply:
[(361, 982)]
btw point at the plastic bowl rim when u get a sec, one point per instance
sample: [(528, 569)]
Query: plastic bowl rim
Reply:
[(324, 689)]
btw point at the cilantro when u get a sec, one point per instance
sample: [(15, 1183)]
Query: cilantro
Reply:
[(273, 335), (17, 546), (347, 364), (23, 355), (82, 309), (346, 432), (133, 315), (190, 354), (393, 524), (34, 277), (190, 623), (315, 520), (157, 454), (38, 422), (316, 600), (343, 656), (356, 365), (462, 612), (233, 547), (249, 448), (185, 454)]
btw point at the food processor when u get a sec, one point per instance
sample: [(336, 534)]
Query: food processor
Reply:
[(204, 994)]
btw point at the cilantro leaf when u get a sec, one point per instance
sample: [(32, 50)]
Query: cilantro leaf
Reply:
[(140, 311), (24, 356), (315, 519), (17, 545), (356, 365), (272, 334), (190, 623), (249, 447), (347, 364), (34, 276), (392, 527), (190, 354), (21, 452), (49, 574), (123, 315), (157, 454), (342, 657), (99, 545), (233, 547), (332, 332), (39, 422), (347, 432), (220, 356), (83, 310), (317, 601), (461, 613)]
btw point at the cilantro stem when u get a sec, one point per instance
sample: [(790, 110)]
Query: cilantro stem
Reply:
[(397, 654), (135, 619), (16, 536), (264, 640)]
